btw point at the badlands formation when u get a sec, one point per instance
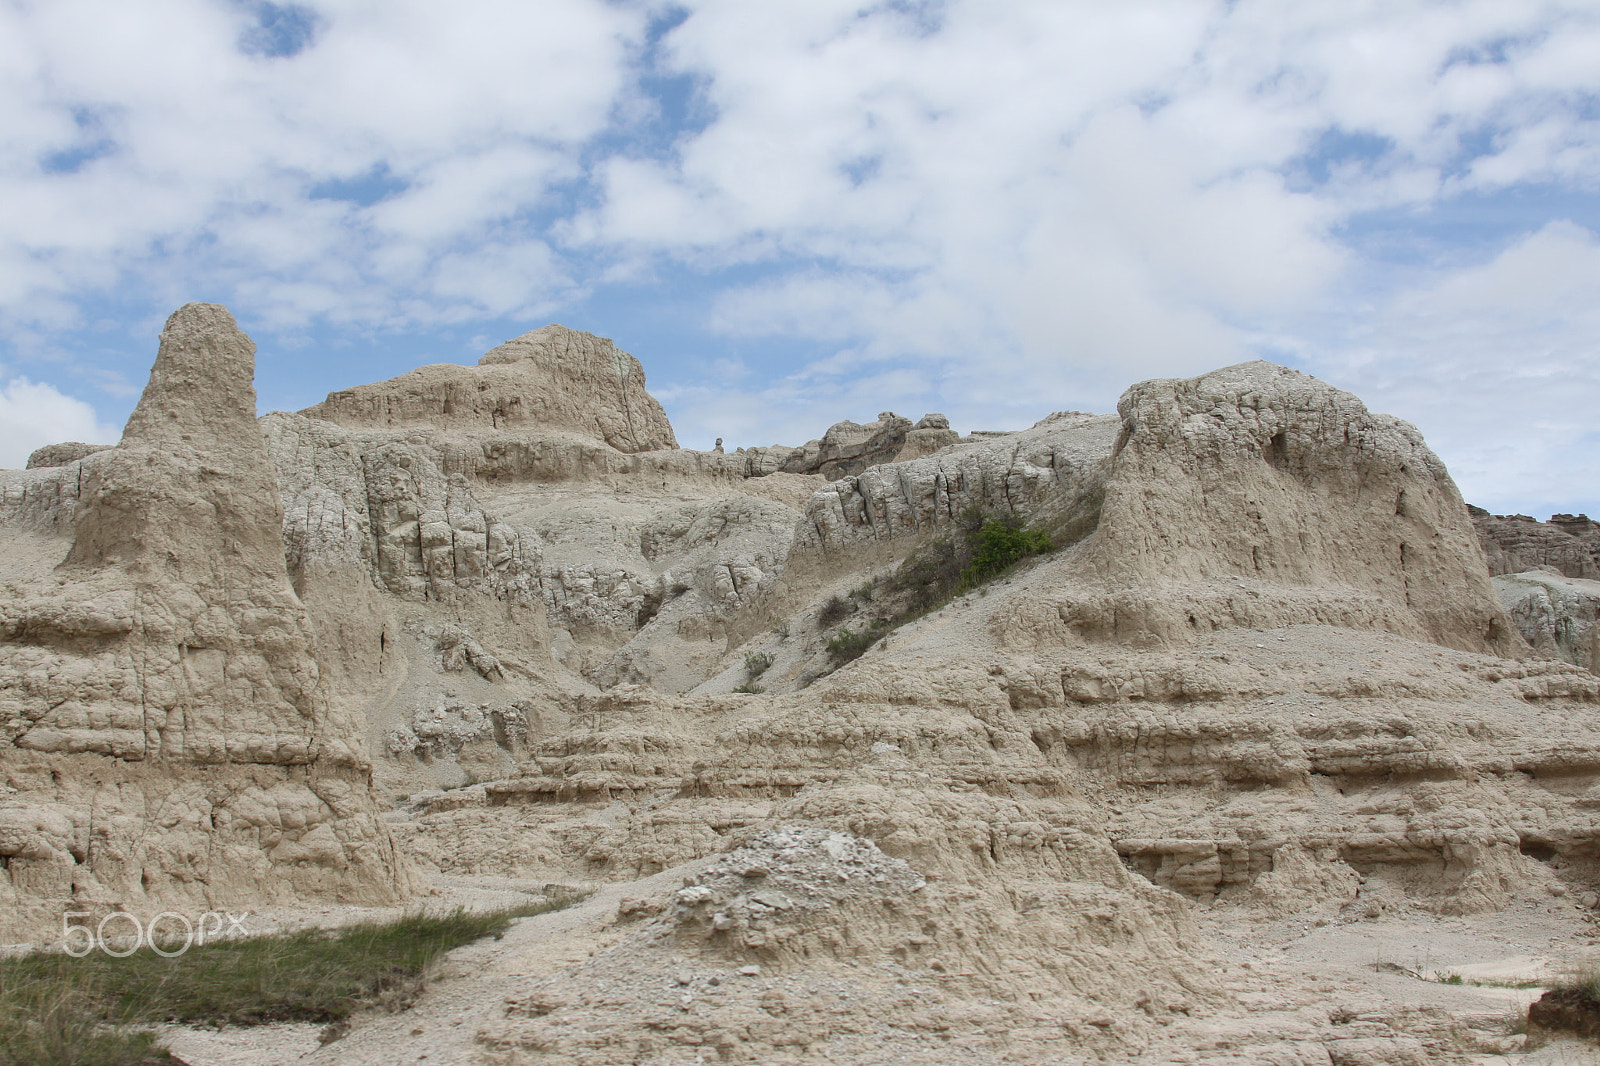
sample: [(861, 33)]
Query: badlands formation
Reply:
[(1277, 727)]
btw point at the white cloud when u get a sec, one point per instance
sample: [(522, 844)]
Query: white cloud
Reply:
[(189, 160), (33, 414), (1011, 206), (1499, 365)]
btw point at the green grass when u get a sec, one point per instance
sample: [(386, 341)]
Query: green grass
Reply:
[(56, 1010)]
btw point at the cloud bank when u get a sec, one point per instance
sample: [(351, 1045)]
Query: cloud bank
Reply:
[(986, 209)]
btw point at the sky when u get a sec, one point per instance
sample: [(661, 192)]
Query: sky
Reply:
[(796, 212)]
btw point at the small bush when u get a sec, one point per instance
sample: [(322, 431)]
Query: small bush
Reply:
[(750, 690), (837, 609), (981, 548), (848, 645), (756, 663)]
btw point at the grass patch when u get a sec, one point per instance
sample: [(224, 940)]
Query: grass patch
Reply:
[(56, 1010)]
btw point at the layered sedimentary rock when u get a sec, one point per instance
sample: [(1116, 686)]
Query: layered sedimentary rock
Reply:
[(848, 448), (1568, 544), (1265, 669), (1262, 479), (552, 378), (1053, 472), (169, 741)]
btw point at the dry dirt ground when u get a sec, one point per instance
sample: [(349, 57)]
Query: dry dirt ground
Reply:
[(1329, 989)]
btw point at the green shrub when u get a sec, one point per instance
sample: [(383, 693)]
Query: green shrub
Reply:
[(750, 690), (1000, 544), (981, 548), (756, 663), (848, 645)]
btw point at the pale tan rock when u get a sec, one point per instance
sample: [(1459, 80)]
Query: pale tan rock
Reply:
[(552, 378), (849, 448), (62, 454), (987, 839), (1555, 614), (1262, 476), (1569, 544), (1053, 470), (162, 688)]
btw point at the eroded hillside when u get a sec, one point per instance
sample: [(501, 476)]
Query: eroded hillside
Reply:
[(1264, 668)]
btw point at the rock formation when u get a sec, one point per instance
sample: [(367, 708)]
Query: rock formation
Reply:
[(168, 739), (1557, 615), (62, 454), (848, 448), (1568, 544), (1265, 669), (550, 379)]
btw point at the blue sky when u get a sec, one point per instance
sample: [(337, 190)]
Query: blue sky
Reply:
[(801, 211)]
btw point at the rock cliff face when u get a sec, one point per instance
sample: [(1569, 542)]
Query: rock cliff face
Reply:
[(168, 738), (1262, 478), (1557, 615)]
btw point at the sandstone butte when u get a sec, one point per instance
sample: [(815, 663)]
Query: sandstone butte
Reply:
[(490, 628)]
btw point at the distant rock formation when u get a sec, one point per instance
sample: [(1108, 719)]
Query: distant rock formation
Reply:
[(1054, 471), (62, 454), (1569, 544), (551, 379), (167, 739), (849, 448)]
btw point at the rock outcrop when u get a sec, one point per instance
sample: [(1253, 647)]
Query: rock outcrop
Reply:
[(1557, 615), (168, 740), (1265, 669), (552, 379), (848, 448), (1053, 472), (1262, 479), (1568, 544), (62, 454)]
